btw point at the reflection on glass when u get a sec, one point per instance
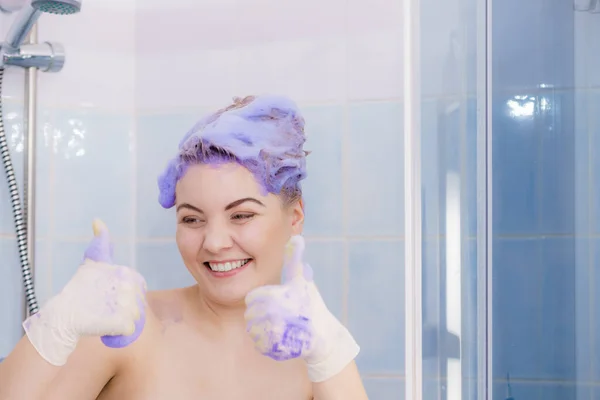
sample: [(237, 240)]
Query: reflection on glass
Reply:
[(453, 280), (449, 264), (525, 106)]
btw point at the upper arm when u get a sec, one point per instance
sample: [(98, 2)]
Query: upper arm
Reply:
[(89, 368)]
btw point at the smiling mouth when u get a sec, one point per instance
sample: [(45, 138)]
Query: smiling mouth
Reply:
[(226, 266)]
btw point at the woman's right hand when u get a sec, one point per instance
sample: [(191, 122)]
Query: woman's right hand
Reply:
[(101, 299)]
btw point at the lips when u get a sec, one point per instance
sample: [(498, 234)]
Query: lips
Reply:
[(226, 266)]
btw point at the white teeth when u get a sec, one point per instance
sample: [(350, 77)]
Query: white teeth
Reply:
[(227, 266)]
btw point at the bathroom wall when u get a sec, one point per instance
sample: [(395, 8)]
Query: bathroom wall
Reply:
[(128, 94), (11, 286), (131, 92), (85, 117), (342, 62)]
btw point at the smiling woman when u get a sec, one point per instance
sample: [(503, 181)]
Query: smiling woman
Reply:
[(254, 325)]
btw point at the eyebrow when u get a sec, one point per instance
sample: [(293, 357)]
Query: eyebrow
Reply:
[(227, 208)]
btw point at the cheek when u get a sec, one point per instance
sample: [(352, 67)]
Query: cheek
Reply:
[(264, 234), (188, 243), (265, 240)]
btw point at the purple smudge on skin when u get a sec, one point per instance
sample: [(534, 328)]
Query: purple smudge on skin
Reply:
[(266, 136)]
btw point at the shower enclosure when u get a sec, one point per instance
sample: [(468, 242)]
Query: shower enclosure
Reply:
[(454, 185)]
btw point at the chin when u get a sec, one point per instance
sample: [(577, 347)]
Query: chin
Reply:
[(229, 291)]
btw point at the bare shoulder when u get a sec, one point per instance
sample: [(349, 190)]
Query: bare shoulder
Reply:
[(87, 371), (167, 305), (93, 366)]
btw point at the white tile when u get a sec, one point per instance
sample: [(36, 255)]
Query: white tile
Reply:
[(167, 82), (375, 59), (309, 70), (99, 64)]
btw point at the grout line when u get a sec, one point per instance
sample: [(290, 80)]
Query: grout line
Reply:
[(384, 376), (51, 222), (66, 106), (160, 110), (591, 211), (345, 180), (134, 156), (134, 191)]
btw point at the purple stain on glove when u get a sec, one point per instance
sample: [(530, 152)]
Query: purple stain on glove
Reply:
[(285, 336), (120, 341), (101, 249), (295, 339)]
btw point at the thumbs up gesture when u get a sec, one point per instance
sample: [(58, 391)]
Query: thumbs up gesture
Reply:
[(101, 299), (291, 320)]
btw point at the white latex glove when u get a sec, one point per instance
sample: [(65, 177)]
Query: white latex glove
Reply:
[(101, 299), (291, 320)]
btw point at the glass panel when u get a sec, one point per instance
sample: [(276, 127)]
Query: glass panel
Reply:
[(545, 197), (449, 57)]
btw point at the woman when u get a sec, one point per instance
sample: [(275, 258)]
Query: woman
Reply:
[(243, 331)]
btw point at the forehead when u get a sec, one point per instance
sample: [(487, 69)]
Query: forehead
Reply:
[(217, 184)]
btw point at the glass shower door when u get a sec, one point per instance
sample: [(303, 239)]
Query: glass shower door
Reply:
[(452, 119), (509, 175), (544, 133)]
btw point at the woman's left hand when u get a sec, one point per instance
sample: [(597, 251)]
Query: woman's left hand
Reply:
[(291, 320)]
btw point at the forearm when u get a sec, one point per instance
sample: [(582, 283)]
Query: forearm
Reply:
[(347, 385), (24, 374)]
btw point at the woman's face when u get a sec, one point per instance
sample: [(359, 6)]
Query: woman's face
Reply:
[(231, 237)]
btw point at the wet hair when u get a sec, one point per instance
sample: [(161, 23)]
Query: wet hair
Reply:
[(264, 134)]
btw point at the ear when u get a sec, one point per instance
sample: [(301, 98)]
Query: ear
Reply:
[(297, 214)]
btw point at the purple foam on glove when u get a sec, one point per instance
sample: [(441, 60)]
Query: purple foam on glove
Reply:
[(120, 341), (101, 249)]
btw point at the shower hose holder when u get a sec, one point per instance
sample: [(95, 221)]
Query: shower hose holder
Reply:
[(47, 56)]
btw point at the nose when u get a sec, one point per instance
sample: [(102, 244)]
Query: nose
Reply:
[(217, 238)]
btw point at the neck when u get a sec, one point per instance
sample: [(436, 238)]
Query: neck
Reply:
[(222, 319)]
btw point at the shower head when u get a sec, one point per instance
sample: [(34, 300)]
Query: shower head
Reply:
[(29, 15), (61, 7)]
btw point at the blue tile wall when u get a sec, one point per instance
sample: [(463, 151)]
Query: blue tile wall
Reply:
[(376, 305), (384, 388), (595, 300), (544, 180), (13, 126), (594, 142), (161, 265), (323, 189), (327, 260), (157, 140), (374, 147), (85, 184)]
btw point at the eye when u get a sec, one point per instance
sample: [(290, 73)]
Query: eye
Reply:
[(191, 220), (242, 216)]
